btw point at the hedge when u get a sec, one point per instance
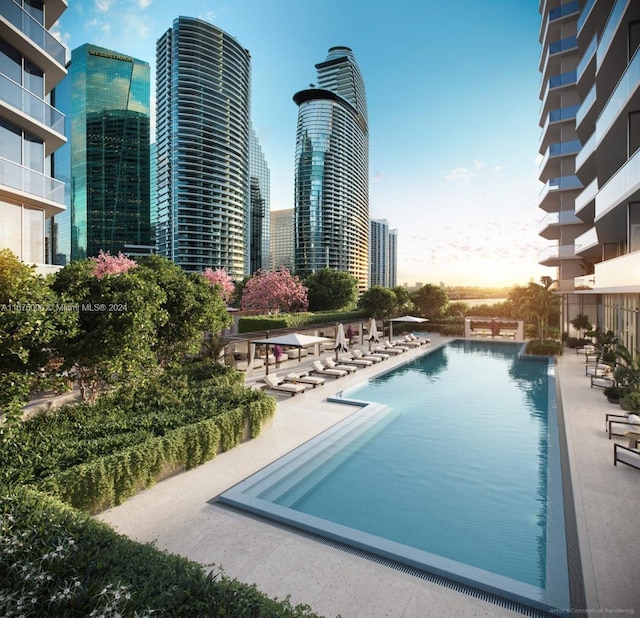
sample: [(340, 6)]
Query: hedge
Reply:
[(56, 561), (252, 324)]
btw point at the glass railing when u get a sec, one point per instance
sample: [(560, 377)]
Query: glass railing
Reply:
[(586, 105), (564, 79), (586, 151), (24, 179), (586, 240), (565, 148), (562, 183), (34, 31), (629, 83), (558, 218), (585, 13), (587, 195), (624, 182), (31, 105), (563, 45), (587, 57), (556, 251), (564, 10), (564, 113), (610, 29)]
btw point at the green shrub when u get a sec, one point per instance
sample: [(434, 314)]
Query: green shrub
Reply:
[(549, 347), (252, 324), (56, 561)]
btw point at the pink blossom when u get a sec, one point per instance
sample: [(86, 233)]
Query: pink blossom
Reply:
[(107, 264), (220, 278), (271, 291)]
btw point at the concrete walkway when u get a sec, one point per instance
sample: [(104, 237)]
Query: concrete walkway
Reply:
[(178, 515)]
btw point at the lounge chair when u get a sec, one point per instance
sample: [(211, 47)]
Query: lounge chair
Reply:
[(626, 455), (623, 422), (303, 378), (599, 370), (406, 341), (348, 359), (389, 349), (318, 367), (331, 364), (277, 384), (374, 358), (586, 349)]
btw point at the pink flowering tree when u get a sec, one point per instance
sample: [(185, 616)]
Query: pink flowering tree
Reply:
[(107, 264), (220, 277), (272, 291)]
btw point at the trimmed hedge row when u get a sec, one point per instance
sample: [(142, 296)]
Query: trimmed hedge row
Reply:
[(251, 324), (56, 561), (110, 480)]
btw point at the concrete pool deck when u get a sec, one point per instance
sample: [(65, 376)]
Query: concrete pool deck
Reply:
[(178, 515)]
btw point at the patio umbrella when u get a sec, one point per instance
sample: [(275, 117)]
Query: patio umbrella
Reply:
[(341, 340), (373, 333), (294, 340), (405, 318)]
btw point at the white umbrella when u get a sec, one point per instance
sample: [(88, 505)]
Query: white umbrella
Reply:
[(405, 318), (295, 340), (341, 340), (373, 333)]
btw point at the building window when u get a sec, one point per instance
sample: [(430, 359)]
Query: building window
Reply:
[(634, 37), (634, 132), (634, 226), (11, 228)]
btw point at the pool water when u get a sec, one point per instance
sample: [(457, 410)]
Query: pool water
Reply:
[(449, 468)]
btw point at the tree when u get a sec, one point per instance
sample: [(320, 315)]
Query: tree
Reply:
[(330, 289), (431, 300), (31, 320), (220, 277), (378, 302), (118, 317), (404, 303), (581, 323), (271, 291), (107, 264), (541, 304)]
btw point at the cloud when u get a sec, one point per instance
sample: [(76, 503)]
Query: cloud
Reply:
[(378, 176), (478, 164), (104, 6), (143, 4), (461, 174)]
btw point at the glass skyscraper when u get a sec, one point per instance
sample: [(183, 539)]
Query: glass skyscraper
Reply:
[(332, 171), (260, 207), (105, 164), (383, 247), (203, 90)]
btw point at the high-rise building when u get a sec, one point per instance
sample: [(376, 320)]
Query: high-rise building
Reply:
[(203, 91), (332, 171), (600, 235), (282, 239), (259, 207), (383, 254), (105, 163), (32, 62)]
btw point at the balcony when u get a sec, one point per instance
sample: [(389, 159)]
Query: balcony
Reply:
[(559, 13), (46, 51), (549, 226), (30, 187), (620, 272), (623, 186), (568, 44), (586, 116), (628, 85), (550, 164), (554, 254), (587, 244), (585, 202), (587, 59), (48, 121), (585, 160), (584, 14), (613, 24), (549, 196), (555, 83)]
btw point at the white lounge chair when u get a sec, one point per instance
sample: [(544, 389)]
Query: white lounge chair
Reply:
[(295, 378), (277, 384), (318, 367), (348, 359), (389, 350), (331, 364), (375, 358), (406, 341)]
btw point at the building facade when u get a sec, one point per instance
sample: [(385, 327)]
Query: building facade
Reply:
[(606, 37), (105, 163), (282, 239), (332, 171), (259, 207), (32, 62), (383, 245), (203, 92)]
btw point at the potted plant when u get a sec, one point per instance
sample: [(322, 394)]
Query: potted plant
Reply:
[(613, 394), (627, 373)]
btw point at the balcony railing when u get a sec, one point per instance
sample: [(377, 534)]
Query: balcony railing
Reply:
[(620, 186), (610, 29), (584, 14), (586, 105), (563, 114), (586, 151), (564, 10), (31, 105), (26, 180), (629, 83), (587, 195), (563, 45), (562, 183), (567, 217), (588, 56), (556, 252), (587, 240), (34, 31)]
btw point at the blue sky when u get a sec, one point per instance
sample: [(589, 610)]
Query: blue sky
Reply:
[(452, 94)]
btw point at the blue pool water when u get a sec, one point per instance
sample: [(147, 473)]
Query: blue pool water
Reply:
[(454, 469)]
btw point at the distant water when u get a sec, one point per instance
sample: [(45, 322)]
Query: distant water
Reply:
[(473, 302)]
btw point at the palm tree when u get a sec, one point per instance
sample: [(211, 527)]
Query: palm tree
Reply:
[(540, 302)]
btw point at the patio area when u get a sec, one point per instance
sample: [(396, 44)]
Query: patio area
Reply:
[(178, 514)]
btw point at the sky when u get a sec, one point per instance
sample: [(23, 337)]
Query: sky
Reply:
[(452, 95)]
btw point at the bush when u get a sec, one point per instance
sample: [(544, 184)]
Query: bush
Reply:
[(548, 347), (55, 561), (575, 342), (252, 324)]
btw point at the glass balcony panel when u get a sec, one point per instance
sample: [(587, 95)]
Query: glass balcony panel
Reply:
[(587, 150), (564, 10), (563, 45), (34, 31), (564, 113), (556, 251), (38, 109), (610, 29), (588, 55), (564, 79), (587, 195), (585, 13), (628, 84), (562, 183), (567, 217), (23, 179), (588, 239), (565, 148), (620, 186), (586, 105)]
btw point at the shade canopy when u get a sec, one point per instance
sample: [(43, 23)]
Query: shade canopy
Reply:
[(294, 340), (409, 318)]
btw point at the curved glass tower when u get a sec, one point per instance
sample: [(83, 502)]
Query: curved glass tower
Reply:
[(332, 171), (203, 87)]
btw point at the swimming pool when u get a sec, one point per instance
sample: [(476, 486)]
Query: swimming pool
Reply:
[(451, 465)]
